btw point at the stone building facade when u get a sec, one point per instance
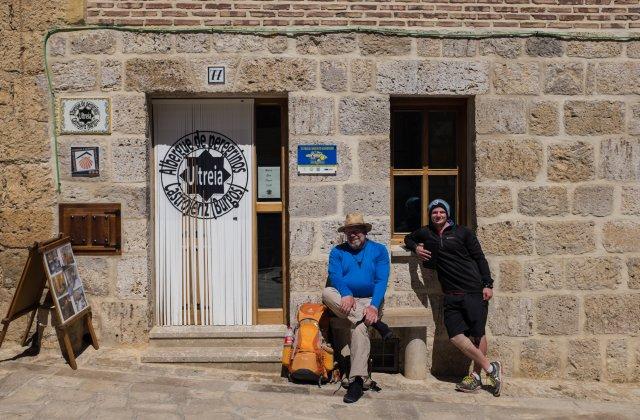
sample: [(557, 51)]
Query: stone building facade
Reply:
[(553, 138)]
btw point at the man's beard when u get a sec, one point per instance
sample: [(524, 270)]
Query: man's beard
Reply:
[(356, 244)]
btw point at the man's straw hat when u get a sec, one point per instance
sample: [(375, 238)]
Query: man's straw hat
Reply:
[(353, 220)]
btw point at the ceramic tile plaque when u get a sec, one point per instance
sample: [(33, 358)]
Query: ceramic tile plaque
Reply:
[(85, 116)]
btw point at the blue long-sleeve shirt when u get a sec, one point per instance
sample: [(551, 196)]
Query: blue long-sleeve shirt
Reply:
[(361, 273)]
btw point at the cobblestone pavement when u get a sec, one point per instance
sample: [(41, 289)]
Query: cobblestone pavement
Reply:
[(112, 383)]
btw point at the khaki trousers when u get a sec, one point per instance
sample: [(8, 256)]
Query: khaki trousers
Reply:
[(360, 345)]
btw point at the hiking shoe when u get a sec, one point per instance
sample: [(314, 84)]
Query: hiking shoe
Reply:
[(469, 384), (495, 378), (354, 392), (383, 329)]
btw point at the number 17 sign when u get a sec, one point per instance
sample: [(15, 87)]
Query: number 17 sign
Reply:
[(215, 75)]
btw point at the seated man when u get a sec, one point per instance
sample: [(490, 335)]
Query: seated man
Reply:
[(463, 272), (358, 275)]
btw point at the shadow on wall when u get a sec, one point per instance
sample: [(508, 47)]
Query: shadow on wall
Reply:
[(446, 360)]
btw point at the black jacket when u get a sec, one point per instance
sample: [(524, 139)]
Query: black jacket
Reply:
[(456, 255)]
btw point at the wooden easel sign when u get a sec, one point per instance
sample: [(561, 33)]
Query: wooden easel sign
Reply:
[(51, 265)]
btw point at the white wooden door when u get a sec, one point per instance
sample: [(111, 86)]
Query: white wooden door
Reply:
[(203, 211)]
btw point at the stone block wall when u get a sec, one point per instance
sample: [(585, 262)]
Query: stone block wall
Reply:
[(27, 184), (562, 14), (557, 168)]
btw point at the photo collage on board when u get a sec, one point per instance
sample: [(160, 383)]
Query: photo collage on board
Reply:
[(67, 286)]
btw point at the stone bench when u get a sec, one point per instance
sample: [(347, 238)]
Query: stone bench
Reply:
[(415, 352)]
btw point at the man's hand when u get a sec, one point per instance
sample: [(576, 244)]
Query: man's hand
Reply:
[(370, 315), (487, 293), (346, 304), (423, 254)]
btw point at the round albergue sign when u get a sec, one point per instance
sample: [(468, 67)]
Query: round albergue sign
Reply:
[(204, 174)]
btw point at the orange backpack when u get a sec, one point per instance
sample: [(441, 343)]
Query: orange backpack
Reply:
[(311, 357)]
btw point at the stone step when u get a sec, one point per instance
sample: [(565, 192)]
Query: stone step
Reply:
[(216, 342), (225, 355), (218, 332)]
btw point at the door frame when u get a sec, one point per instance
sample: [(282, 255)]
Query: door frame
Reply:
[(272, 315)]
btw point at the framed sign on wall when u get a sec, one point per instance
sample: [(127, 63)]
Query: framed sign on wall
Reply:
[(85, 116)]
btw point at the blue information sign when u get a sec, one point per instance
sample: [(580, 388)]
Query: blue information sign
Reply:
[(317, 159)]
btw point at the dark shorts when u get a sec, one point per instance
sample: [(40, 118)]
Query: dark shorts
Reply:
[(465, 314)]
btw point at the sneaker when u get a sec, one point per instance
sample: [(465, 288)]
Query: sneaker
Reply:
[(383, 329), (354, 392), (495, 378), (469, 384)]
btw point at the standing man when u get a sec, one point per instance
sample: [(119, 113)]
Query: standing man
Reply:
[(358, 275), (463, 272)]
